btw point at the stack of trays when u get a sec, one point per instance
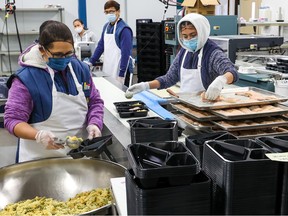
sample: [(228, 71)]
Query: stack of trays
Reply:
[(279, 144), (236, 111), (195, 143), (244, 179), (131, 109), (165, 178), (153, 130)]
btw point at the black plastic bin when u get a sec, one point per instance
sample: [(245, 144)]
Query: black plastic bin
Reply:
[(195, 143), (161, 164), (191, 199), (279, 144), (244, 179), (153, 130)]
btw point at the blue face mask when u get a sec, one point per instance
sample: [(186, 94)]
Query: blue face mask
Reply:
[(191, 44), (59, 64), (111, 17)]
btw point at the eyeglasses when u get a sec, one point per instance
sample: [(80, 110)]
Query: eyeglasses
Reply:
[(61, 55), (109, 11)]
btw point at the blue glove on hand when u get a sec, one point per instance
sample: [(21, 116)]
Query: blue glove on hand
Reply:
[(215, 88), (136, 88)]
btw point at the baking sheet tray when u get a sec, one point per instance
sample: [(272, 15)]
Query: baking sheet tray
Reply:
[(261, 132), (256, 111), (231, 99), (251, 124), (198, 115), (191, 123)]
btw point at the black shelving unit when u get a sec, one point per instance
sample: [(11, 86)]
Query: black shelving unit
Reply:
[(151, 59)]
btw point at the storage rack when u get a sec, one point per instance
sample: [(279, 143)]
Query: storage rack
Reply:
[(151, 61)]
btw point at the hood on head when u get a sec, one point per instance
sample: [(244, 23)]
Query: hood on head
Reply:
[(32, 57), (202, 26)]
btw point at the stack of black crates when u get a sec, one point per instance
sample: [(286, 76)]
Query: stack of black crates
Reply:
[(151, 60)]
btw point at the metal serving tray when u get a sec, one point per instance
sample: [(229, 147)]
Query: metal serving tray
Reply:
[(267, 122), (196, 101), (261, 132), (194, 113), (282, 109), (197, 125)]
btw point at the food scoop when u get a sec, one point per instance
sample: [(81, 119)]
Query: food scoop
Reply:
[(71, 142)]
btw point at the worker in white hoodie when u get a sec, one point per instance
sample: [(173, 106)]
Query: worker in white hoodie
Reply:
[(200, 65)]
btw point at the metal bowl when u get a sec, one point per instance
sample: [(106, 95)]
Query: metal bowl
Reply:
[(57, 178)]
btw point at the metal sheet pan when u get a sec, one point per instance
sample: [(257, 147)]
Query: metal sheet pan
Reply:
[(229, 95), (191, 123), (261, 132), (198, 115), (257, 123), (226, 114)]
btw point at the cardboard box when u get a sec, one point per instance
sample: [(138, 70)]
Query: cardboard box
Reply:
[(204, 7)]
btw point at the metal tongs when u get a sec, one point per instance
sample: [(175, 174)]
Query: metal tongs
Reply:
[(73, 144)]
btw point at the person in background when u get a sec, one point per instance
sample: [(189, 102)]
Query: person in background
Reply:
[(51, 96), (116, 44), (200, 65), (81, 33)]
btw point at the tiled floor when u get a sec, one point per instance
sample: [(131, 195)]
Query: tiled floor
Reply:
[(8, 146)]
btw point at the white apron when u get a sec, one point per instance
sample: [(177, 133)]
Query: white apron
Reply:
[(190, 79), (67, 118), (112, 54)]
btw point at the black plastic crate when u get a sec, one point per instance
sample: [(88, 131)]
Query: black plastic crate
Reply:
[(244, 180), (192, 199), (162, 163), (196, 142), (279, 144), (153, 130)]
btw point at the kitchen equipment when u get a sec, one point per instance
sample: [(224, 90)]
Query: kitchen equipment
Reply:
[(58, 178)]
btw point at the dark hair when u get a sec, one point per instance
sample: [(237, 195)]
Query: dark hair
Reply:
[(112, 3), (79, 20), (185, 24), (51, 31)]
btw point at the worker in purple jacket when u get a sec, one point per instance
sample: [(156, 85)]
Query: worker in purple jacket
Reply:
[(200, 65), (51, 96), (116, 43)]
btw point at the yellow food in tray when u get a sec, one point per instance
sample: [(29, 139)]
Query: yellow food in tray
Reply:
[(74, 138), (81, 203)]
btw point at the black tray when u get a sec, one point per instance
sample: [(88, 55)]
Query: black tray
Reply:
[(279, 144), (93, 148), (245, 181), (191, 199), (153, 130), (195, 143), (162, 163), (131, 109)]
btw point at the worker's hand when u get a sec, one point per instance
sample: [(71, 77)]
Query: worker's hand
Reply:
[(93, 131), (120, 79), (86, 60), (215, 88), (136, 88), (46, 138)]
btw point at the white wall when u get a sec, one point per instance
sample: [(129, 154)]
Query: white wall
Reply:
[(130, 11)]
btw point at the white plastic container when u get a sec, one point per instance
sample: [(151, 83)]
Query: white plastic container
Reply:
[(264, 14)]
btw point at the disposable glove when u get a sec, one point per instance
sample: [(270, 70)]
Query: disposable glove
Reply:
[(93, 131), (136, 88), (86, 60), (215, 88), (120, 79), (46, 138)]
